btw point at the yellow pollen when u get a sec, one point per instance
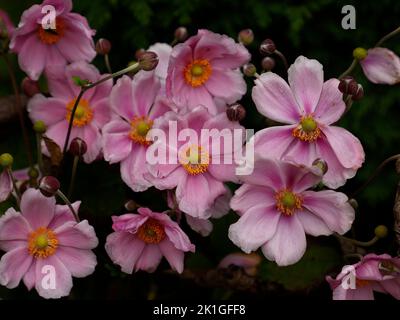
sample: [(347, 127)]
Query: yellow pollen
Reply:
[(194, 160), (362, 283), (151, 232), (83, 113), (140, 126), (197, 72), (288, 202), (42, 243), (51, 36), (307, 130)]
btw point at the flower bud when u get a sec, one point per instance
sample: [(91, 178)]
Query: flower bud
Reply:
[(236, 112), (353, 203), (33, 173), (246, 37), (78, 147), (348, 85), (321, 164), (181, 34), (103, 46), (6, 160), (359, 94), (148, 60), (131, 205), (360, 53), (138, 53), (249, 70), (39, 127), (49, 186), (268, 63), (381, 231), (30, 87), (267, 47)]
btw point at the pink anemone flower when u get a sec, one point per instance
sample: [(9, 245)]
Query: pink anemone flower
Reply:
[(44, 241), (205, 67), (309, 107), (92, 113), (6, 185), (136, 104), (38, 47), (277, 210), (141, 240), (197, 167), (380, 273)]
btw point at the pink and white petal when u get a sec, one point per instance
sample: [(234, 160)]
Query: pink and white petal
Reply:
[(226, 84), (58, 87), (6, 185), (149, 259), (124, 249), (381, 66), (116, 142), (332, 207), (330, 106), (101, 112), (13, 266), (134, 169), (80, 263), (13, 226), (32, 57), (129, 222), (392, 286), (174, 256), (202, 226), (161, 106), (177, 237), (347, 147), (249, 196), (302, 152), (312, 224), (63, 215), (254, 228), (361, 293), (288, 244), (48, 110), (306, 78), (62, 278), (145, 87), (102, 91), (92, 137), (76, 235), (223, 172), (37, 209), (274, 99), (221, 206), (121, 99), (58, 133), (82, 70), (30, 276), (163, 51), (199, 96)]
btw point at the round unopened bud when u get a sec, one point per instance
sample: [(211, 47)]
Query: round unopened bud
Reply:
[(267, 47), (358, 94), (381, 231), (321, 164), (39, 127), (348, 85), (30, 87), (268, 63), (236, 112), (33, 173), (246, 37), (360, 53), (6, 160), (49, 186), (103, 46), (181, 34), (78, 147), (131, 205), (249, 70), (148, 60), (138, 53), (353, 202)]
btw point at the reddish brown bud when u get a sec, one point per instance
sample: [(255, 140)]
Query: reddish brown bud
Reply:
[(181, 34), (359, 94), (148, 60), (235, 112), (249, 70), (348, 85), (246, 37), (103, 46), (78, 147), (30, 87), (268, 63), (49, 186), (267, 47)]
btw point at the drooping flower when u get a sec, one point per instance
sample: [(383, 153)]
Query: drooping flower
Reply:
[(205, 67), (136, 104), (141, 240), (381, 65), (197, 167), (309, 107), (6, 25), (38, 47), (91, 115), (44, 238), (277, 210), (380, 273)]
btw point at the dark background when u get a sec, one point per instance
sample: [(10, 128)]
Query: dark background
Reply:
[(310, 28)]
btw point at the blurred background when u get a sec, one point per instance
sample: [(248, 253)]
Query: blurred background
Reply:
[(312, 29)]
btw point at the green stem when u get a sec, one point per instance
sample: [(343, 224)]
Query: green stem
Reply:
[(68, 203), (74, 170), (349, 69), (107, 62), (359, 243), (39, 152), (387, 37)]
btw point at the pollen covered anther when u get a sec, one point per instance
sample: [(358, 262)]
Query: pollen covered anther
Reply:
[(52, 36), (307, 130), (195, 160), (42, 243), (151, 232), (288, 202), (83, 113), (140, 126), (197, 72)]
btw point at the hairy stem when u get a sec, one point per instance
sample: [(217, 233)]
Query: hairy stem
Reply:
[(68, 203), (350, 69), (73, 175), (387, 37)]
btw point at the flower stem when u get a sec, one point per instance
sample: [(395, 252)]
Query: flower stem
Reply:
[(387, 37), (107, 62), (359, 243), (74, 170), (375, 174), (39, 152), (18, 104), (349, 69), (68, 203), (283, 58)]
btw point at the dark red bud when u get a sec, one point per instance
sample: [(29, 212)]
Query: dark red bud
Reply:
[(103, 46), (359, 94), (49, 186), (236, 112), (246, 37), (148, 60), (348, 85), (30, 87), (268, 63), (181, 34), (267, 47), (78, 147)]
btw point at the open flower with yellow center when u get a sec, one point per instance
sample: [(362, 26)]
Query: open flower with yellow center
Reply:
[(194, 159), (139, 241), (44, 237), (91, 114), (308, 107), (136, 104), (360, 280), (40, 49), (204, 67), (278, 207)]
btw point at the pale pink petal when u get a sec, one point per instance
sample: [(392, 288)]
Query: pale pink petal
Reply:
[(80, 263), (392, 286), (32, 57), (312, 224), (174, 256), (30, 276), (101, 112), (163, 51), (302, 152), (306, 78), (92, 137), (76, 235), (330, 106), (13, 266), (121, 99), (13, 226), (202, 226), (116, 142), (177, 237), (6, 185), (149, 259), (48, 110), (226, 84), (249, 196), (145, 87), (63, 214), (134, 169)]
